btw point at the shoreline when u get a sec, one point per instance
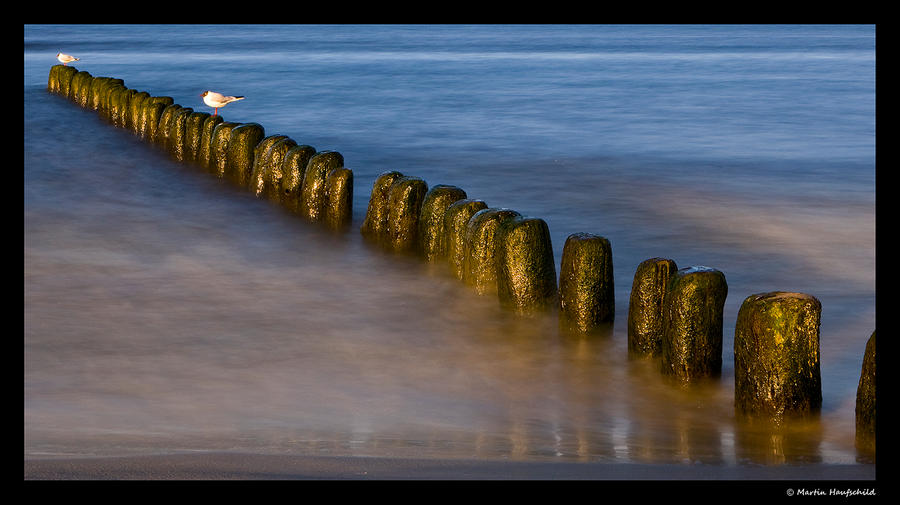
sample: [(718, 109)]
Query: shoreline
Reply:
[(243, 466)]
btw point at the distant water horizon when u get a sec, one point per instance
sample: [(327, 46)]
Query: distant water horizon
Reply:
[(166, 310)]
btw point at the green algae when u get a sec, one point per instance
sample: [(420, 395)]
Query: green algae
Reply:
[(645, 306), (587, 299), (776, 357), (175, 140)]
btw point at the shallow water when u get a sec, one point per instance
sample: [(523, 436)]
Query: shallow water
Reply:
[(166, 310)]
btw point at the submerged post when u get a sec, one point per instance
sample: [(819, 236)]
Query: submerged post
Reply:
[(776, 357), (645, 306), (692, 324), (587, 299)]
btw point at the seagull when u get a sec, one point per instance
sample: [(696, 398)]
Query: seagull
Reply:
[(216, 100), (65, 58)]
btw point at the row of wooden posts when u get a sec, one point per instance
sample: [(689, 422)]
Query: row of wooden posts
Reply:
[(674, 314)]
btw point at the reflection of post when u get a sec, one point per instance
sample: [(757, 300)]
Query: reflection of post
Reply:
[(770, 444)]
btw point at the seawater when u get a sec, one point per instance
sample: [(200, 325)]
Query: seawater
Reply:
[(166, 310)]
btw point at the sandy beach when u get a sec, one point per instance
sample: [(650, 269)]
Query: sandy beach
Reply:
[(234, 466)]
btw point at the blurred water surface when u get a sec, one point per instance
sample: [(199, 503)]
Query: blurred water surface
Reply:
[(166, 310)]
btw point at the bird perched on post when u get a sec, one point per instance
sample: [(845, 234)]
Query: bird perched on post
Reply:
[(65, 58), (217, 100)]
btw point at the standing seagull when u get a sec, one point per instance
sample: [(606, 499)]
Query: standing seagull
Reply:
[(216, 100), (65, 58)]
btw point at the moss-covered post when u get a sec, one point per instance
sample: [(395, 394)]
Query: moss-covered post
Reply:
[(692, 324), (865, 401), (257, 184), (81, 88), (293, 169), (177, 133), (776, 357), (313, 199), (645, 306), (207, 133), (61, 79), (456, 221), (100, 87), (587, 298), (273, 164), (165, 121), (240, 152), (218, 147), (339, 198), (405, 200), (133, 119), (193, 131), (431, 219), (375, 224), (483, 248), (526, 275)]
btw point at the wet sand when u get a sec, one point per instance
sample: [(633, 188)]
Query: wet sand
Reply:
[(233, 466)]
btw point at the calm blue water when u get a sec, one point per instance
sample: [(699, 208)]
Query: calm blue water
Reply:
[(168, 311)]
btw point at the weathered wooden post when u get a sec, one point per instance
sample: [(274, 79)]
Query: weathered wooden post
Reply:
[(526, 277), (456, 220), (587, 298), (645, 306), (431, 219), (294, 168), (776, 357), (692, 324), (483, 248), (375, 224), (407, 194)]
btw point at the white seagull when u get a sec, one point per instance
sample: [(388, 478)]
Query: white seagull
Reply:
[(217, 100), (65, 58)]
